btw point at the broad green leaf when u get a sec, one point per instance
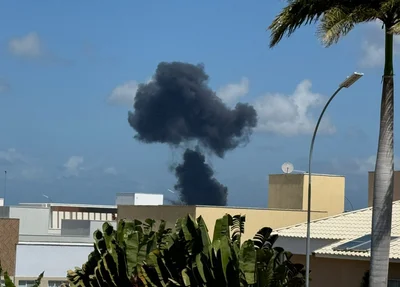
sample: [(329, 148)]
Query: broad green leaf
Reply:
[(7, 280), (225, 250), (185, 277), (200, 267), (205, 238), (152, 261), (132, 251), (248, 260)]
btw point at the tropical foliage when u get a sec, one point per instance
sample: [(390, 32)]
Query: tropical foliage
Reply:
[(9, 283), (336, 19), (137, 255)]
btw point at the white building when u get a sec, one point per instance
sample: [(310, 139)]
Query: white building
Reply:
[(55, 237)]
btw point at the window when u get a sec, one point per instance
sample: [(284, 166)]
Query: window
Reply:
[(26, 283), (394, 283), (56, 283)]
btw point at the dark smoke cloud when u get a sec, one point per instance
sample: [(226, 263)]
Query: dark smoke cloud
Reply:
[(196, 176), (177, 107)]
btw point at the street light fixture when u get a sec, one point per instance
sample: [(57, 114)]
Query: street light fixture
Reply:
[(347, 83), (350, 80)]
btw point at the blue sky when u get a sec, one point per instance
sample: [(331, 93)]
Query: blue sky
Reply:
[(69, 72)]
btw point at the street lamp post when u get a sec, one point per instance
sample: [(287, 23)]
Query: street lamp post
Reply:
[(345, 84)]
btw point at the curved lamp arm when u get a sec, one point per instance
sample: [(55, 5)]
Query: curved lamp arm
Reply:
[(309, 184), (349, 81)]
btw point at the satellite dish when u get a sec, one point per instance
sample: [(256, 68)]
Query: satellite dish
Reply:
[(287, 167)]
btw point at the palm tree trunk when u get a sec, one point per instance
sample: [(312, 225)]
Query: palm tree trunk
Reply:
[(383, 186)]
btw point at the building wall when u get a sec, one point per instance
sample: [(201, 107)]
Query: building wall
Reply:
[(256, 218), (60, 213), (169, 213), (45, 282), (55, 260), (396, 193), (9, 228), (328, 193), (298, 245), (285, 191), (32, 221), (330, 272), (290, 191)]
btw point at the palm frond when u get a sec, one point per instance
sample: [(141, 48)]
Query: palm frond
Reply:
[(339, 21), (296, 14), (338, 17), (395, 29)]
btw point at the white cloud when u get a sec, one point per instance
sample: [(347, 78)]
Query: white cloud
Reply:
[(291, 115), (110, 170), (368, 164), (26, 46), (11, 156), (373, 55), (73, 166), (231, 93), (124, 94), (373, 51)]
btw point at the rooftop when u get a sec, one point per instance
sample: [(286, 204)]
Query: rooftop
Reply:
[(67, 205), (347, 225), (344, 228)]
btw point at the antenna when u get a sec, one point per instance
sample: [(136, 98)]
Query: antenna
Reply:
[(48, 197), (287, 167)]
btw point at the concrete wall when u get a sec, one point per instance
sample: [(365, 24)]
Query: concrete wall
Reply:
[(4, 212), (285, 191), (9, 229), (75, 227), (54, 259), (255, 218), (94, 225), (330, 272), (396, 193), (290, 191), (328, 193), (139, 199), (32, 220), (169, 213)]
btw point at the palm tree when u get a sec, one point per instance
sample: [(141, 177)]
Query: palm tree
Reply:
[(336, 18)]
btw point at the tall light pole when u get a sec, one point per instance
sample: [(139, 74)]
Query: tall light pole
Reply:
[(5, 187), (350, 80)]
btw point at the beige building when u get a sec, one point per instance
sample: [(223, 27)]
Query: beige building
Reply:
[(340, 247), (396, 194), (287, 204)]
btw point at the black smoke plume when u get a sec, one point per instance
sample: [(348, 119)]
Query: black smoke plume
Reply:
[(177, 106), (196, 176)]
